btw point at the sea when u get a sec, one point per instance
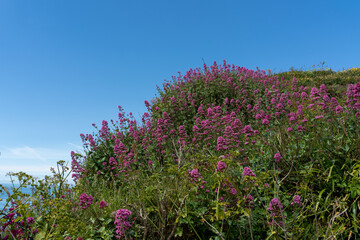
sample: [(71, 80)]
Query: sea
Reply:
[(4, 196)]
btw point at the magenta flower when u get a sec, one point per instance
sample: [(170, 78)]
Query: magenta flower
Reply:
[(121, 222), (314, 91), (85, 200), (194, 174), (323, 88), (102, 204), (249, 201), (277, 157), (296, 200), (233, 191), (30, 220), (275, 207), (248, 172), (265, 121), (221, 144), (339, 109), (304, 95), (220, 166)]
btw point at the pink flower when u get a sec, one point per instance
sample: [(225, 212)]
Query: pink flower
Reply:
[(339, 109), (304, 95), (296, 200), (221, 144), (275, 206), (195, 174), (247, 172), (102, 204), (85, 200), (265, 121), (277, 157), (220, 166), (30, 220), (233, 191), (121, 222), (249, 201)]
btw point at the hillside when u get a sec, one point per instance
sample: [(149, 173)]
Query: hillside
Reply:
[(223, 152)]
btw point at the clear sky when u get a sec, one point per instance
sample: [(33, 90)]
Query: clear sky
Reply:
[(67, 64)]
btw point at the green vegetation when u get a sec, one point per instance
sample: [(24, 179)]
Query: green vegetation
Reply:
[(223, 153)]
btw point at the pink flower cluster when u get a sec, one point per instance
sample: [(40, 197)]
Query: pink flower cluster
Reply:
[(248, 172), (275, 208), (102, 204), (221, 166), (12, 227), (85, 201), (122, 223), (277, 157), (296, 200), (195, 175), (249, 201)]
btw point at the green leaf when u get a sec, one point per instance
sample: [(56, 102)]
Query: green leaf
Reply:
[(179, 232), (40, 236)]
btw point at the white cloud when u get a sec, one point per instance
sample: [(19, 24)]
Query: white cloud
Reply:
[(34, 161), (24, 153)]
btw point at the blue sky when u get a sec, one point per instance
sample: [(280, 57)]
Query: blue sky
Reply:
[(67, 64)]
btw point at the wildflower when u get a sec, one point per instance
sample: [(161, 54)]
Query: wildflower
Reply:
[(249, 201), (30, 220), (247, 128), (85, 200), (339, 109), (147, 104), (320, 116), (220, 166), (296, 200), (102, 204), (279, 106), (326, 98), (314, 91), (265, 121), (247, 172), (194, 174), (277, 157), (233, 191), (221, 144), (121, 222), (275, 207), (323, 88)]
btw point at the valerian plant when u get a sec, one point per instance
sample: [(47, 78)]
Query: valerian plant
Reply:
[(223, 152)]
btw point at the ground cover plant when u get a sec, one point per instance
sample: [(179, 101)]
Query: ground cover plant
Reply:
[(223, 152)]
